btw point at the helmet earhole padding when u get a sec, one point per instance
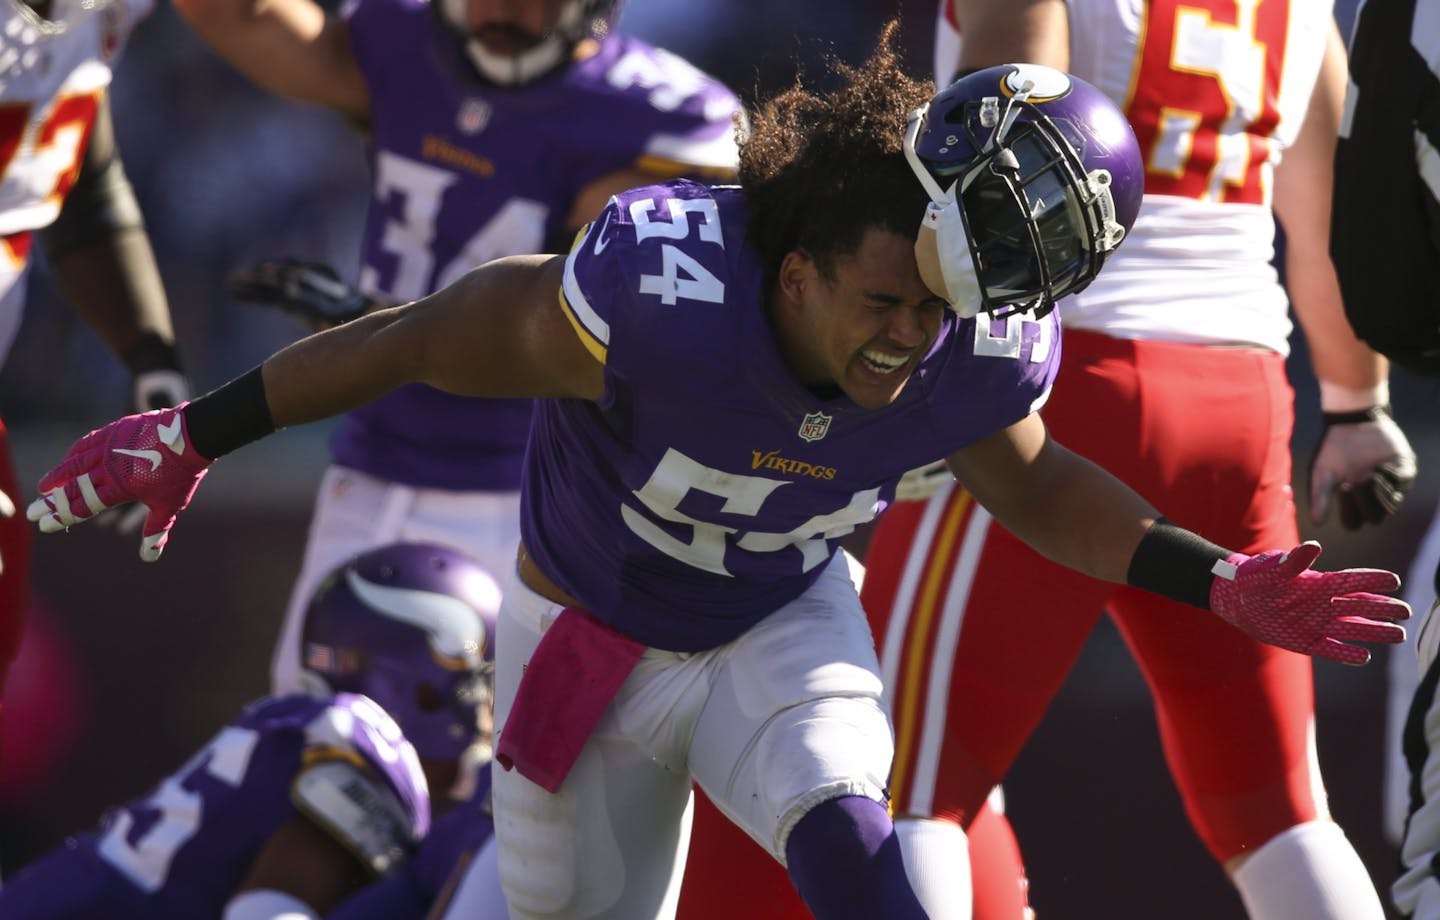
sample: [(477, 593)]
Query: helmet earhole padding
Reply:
[(1109, 231)]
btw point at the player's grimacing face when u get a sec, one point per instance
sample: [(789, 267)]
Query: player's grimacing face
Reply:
[(864, 330)]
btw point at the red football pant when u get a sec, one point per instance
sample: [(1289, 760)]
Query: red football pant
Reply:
[(977, 631)]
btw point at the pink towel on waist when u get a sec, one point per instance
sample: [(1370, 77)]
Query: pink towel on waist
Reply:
[(574, 673)]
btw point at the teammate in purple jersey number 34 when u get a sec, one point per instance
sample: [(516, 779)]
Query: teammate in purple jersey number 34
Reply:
[(496, 128), (732, 380)]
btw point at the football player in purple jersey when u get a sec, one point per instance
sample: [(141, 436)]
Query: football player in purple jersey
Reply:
[(732, 379), (496, 128), (304, 797)]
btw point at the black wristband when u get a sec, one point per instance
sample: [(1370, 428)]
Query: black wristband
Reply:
[(151, 353), (1175, 563), (1360, 416), (229, 417)]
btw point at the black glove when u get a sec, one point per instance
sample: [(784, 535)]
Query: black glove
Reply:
[(1364, 462), (309, 291)]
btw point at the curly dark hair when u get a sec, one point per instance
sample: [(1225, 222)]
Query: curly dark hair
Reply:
[(817, 170)]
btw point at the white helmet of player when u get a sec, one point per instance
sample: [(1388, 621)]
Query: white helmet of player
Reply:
[(515, 58)]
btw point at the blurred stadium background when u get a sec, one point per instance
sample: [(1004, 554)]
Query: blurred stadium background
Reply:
[(128, 667)]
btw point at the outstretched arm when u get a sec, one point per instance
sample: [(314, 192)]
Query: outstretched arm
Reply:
[(1075, 513), (291, 48), (499, 331), (1064, 506)]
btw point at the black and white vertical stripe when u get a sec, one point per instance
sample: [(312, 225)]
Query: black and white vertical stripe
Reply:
[(1385, 236), (1385, 241), (1416, 891)]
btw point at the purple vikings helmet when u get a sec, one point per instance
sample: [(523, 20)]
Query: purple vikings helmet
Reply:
[(412, 627), (1034, 176), (579, 20)]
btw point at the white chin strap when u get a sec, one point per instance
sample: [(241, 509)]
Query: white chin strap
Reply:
[(530, 64), (947, 266), (515, 69), (942, 247)]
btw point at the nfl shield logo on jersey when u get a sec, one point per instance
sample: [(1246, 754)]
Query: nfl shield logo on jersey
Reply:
[(814, 426), (474, 116)]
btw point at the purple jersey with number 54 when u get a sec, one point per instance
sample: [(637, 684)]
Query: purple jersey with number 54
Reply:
[(465, 172), (707, 486), (180, 852)]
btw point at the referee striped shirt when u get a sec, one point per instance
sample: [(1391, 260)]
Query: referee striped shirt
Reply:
[(1385, 241), (1385, 237)]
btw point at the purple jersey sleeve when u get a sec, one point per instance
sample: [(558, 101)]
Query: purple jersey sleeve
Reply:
[(180, 851), (466, 172), (707, 478)]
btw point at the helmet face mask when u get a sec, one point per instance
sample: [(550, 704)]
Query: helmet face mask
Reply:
[(1025, 160), (49, 18), (577, 21), (411, 626)]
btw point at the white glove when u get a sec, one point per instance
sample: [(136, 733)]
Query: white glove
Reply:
[(1365, 463)]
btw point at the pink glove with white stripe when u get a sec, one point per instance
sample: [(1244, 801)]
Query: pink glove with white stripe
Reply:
[(146, 458), (1277, 599)]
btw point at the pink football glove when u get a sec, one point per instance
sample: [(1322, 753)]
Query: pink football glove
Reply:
[(146, 458), (1276, 598)]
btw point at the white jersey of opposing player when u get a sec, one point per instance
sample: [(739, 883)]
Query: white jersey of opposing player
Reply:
[(53, 75), (1215, 91)]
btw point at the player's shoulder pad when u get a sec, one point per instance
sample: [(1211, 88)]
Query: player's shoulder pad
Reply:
[(375, 26), (355, 729), (683, 117), (358, 810), (649, 247), (664, 81)]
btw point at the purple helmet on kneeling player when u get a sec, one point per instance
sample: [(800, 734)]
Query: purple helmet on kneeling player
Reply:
[(412, 627), (1035, 177)]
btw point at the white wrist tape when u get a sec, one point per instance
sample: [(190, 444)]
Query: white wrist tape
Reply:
[(1337, 398)]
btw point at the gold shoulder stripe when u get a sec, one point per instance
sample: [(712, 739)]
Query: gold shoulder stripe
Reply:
[(592, 344), (664, 168), (315, 755)]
